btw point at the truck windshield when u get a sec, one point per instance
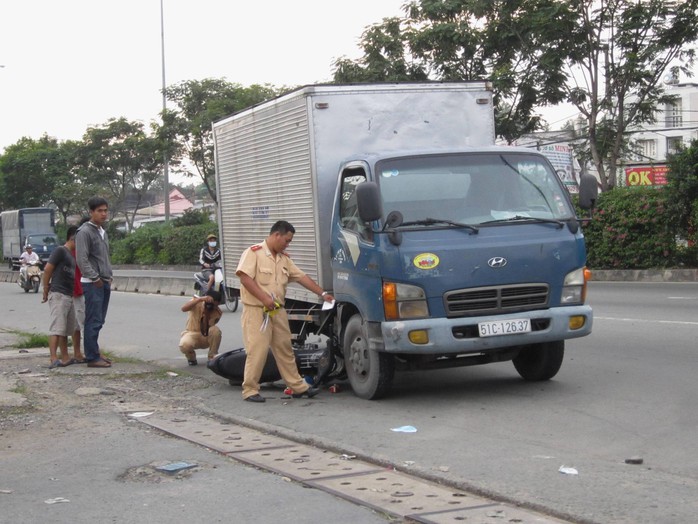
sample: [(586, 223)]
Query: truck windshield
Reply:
[(42, 240), (473, 188)]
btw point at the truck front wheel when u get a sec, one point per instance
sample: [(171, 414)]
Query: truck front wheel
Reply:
[(540, 361), (370, 372)]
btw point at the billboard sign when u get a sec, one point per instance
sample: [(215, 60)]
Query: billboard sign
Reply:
[(649, 176)]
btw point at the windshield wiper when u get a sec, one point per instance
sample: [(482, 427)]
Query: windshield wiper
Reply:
[(521, 218), (435, 221)]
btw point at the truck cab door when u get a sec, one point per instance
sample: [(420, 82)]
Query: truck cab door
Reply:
[(353, 242)]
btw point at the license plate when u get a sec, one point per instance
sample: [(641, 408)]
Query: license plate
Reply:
[(504, 327)]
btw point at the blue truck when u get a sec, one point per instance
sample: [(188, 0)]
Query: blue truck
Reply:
[(441, 249), (31, 225)]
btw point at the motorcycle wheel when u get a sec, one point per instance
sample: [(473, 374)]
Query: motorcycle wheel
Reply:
[(35, 285), (231, 300)]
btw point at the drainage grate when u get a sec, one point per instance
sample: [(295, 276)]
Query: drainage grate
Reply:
[(363, 483), (304, 463), (218, 436)]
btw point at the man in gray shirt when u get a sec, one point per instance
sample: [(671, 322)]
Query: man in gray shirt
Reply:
[(92, 247), (59, 280)]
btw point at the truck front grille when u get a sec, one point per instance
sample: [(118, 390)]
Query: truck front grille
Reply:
[(495, 299)]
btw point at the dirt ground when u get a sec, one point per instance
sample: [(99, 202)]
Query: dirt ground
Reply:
[(36, 398)]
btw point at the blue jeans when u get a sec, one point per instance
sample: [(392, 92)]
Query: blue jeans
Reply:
[(96, 305)]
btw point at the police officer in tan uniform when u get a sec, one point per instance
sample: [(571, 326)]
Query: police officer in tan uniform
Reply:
[(201, 331), (265, 271)]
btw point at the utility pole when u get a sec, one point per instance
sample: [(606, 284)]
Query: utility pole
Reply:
[(166, 180)]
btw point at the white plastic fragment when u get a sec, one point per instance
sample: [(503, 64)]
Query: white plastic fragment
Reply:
[(172, 374), (405, 429), (568, 470), (56, 500), (140, 414)]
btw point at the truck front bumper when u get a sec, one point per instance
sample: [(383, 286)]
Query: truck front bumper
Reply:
[(461, 335)]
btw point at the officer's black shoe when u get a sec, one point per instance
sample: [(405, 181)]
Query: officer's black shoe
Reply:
[(310, 393), (255, 398)]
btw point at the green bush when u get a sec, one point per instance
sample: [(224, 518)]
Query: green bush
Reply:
[(162, 244), (631, 230), (185, 243)]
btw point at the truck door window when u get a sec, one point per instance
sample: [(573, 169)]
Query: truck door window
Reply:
[(348, 210)]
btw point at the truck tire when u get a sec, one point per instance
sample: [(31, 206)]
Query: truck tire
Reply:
[(540, 361), (370, 372)]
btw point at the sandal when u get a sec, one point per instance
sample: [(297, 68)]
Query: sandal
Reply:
[(100, 363), (82, 360)]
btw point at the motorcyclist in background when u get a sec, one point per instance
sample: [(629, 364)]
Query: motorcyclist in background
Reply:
[(210, 258), (26, 259)]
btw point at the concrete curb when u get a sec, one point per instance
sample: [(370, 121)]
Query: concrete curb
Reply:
[(645, 275), (158, 285)]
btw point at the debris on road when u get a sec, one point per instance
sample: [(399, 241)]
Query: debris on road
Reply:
[(176, 467), (568, 471), (56, 500), (405, 429)]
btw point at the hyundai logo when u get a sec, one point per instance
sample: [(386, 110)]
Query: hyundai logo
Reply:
[(497, 262)]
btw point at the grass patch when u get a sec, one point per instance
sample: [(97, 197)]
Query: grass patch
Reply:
[(122, 360), (31, 340), (20, 390)]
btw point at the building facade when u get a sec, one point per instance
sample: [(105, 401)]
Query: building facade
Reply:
[(676, 125)]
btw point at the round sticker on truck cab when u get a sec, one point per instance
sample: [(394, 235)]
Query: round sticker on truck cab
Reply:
[(426, 261)]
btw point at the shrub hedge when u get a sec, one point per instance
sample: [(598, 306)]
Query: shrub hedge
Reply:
[(632, 229), (162, 244)]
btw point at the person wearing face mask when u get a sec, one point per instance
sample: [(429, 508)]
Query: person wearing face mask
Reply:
[(210, 258)]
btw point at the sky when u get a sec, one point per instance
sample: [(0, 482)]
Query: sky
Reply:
[(70, 64)]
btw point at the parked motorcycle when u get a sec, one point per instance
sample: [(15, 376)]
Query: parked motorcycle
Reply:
[(230, 297), (33, 278)]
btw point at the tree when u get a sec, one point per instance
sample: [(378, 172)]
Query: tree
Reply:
[(69, 193), (121, 157), (27, 172), (606, 57), (682, 190), (510, 42), (618, 54), (187, 128)]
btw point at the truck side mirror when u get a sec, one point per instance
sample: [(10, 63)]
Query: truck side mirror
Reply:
[(368, 201), (588, 191)]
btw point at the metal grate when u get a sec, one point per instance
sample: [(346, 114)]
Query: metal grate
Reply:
[(496, 299)]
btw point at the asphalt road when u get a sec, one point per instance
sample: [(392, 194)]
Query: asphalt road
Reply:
[(627, 390)]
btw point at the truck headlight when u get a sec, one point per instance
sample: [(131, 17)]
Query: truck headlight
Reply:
[(574, 288), (401, 301)]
